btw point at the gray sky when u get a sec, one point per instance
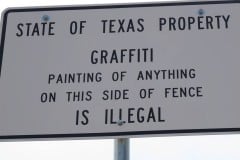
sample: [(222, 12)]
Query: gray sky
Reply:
[(214, 147)]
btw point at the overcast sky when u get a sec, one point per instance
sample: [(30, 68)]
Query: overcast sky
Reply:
[(214, 147)]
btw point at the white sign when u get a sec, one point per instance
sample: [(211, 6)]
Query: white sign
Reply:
[(120, 70)]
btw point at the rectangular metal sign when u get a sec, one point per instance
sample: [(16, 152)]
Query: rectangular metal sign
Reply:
[(120, 70)]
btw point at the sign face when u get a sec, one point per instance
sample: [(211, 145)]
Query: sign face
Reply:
[(120, 70)]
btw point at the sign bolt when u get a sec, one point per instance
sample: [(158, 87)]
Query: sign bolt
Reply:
[(120, 123), (45, 18), (201, 12)]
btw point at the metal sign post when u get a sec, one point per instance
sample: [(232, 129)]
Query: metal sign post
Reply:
[(121, 149)]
